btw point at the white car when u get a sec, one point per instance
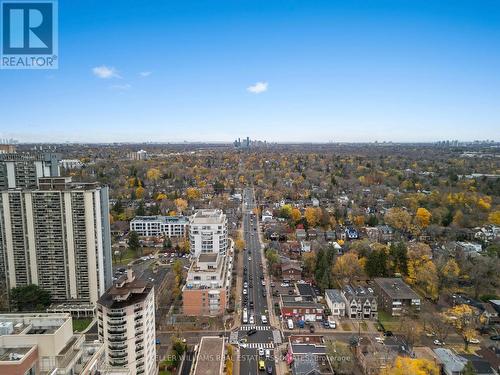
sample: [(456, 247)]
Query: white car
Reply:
[(245, 285), (285, 285), (261, 351), (252, 320), (244, 291), (438, 342), (474, 341), (249, 258), (380, 340), (268, 353), (263, 318)]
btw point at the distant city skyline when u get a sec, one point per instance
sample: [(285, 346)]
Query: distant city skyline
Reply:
[(281, 71)]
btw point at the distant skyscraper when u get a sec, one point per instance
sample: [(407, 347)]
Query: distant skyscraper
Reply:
[(22, 171), (58, 237)]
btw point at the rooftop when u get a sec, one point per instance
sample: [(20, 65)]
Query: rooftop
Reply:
[(163, 219), (334, 295), (126, 291), (210, 358), (396, 288), (291, 301), (206, 216)]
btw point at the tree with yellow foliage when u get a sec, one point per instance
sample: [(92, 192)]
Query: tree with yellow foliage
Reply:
[(347, 267), (139, 192), (398, 218), (161, 196), (239, 244), (484, 203), (153, 174), (180, 204), (312, 215), (423, 217), (422, 272), (192, 193), (463, 318), (296, 215), (411, 366), (494, 217)]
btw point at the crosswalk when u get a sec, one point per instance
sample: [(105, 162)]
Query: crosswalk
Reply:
[(256, 345), (258, 328)]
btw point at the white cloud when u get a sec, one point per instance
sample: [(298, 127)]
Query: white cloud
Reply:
[(123, 87), (258, 88), (145, 74), (105, 72)]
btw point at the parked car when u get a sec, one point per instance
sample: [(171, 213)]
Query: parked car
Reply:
[(261, 351), (285, 285), (311, 328), (474, 341), (269, 369), (495, 337), (268, 353), (438, 342)]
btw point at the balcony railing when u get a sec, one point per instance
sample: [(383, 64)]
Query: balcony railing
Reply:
[(116, 314), (116, 331), (117, 347), (118, 355)]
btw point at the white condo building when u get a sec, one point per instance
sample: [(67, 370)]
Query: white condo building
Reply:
[(58, 237), (126, 325), (155, 226), (208, 232)]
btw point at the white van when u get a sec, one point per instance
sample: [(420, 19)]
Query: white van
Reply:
[(290, 323)]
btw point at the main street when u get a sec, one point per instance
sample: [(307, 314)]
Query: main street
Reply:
[(256, 301)]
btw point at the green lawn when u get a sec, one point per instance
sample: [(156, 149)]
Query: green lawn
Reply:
[(127, 257), (389, 322), (81, 324)]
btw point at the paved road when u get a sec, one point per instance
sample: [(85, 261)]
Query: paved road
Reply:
[(263, 338)]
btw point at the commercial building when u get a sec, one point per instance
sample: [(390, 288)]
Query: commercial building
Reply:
[(155, 226), (32, 344), (301, 308), (208, 232), (360, 302), (210, 357), (307, 354), (126, 325), (395, 296), (58, 237), (22, 170), (208, 285)]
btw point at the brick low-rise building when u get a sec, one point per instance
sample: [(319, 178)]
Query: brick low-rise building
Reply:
[(291, 271), (395, 296), (208, 283)]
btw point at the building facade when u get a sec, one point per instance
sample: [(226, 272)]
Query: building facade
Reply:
[(208, 285), (208, 232), (22, 171), (126, 325), (156, 226), (58, 237), (32, 344), (395, 296), (335, 302), (360, 302)]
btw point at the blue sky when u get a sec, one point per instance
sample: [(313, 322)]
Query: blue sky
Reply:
[(310, 70)]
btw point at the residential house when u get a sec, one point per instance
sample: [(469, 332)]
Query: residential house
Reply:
[(300, 234), (335, 302), (291, 270), (305, 246), (453, 364), (360, 302), (395, 296), (267, 215)]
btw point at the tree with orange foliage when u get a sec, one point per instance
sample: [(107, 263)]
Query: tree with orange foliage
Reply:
[(423, 217)]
